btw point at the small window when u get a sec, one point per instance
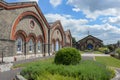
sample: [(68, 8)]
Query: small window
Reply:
[(32, 24)]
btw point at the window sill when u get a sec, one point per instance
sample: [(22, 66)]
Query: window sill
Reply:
[(19, 52), (30, 51)]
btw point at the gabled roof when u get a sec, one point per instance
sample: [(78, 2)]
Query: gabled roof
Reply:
[(55, 24), (68, 32), (90, 36), (17, 5)]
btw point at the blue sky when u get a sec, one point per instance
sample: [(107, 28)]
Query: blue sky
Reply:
[(100, 17)]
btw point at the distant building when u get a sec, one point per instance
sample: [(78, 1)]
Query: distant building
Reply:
[(90, 42)]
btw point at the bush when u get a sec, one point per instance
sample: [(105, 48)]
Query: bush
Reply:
[(86, 70), (111, 48), (67, 56), (103, 50), (118, 51)]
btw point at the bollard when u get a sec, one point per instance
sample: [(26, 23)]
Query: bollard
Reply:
[(15, 58)]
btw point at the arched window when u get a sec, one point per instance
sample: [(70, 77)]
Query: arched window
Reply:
[(57, 45), (31, 45), (19, 43), (39, 44)]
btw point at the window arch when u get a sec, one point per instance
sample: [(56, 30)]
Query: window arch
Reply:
[(19, 45)]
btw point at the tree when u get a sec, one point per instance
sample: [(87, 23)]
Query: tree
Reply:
[(111, 48), (73, 42)]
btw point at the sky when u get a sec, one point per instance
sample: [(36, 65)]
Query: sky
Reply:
[(100, 17)]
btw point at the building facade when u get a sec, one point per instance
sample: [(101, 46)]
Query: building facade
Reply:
[(89, 43), (25, 32)]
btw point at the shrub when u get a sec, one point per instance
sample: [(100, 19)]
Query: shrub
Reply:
[(103, 50), (67, 56), (86, 70), (111, 48), (118, 51)]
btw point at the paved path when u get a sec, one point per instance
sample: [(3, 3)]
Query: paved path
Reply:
[(87, 58), (117, 77), (91, 56), (9, 75)]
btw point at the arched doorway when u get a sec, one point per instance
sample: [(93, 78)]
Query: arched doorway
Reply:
[(89, 46)]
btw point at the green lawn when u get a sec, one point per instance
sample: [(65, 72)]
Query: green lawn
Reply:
[(109, 61), (34, 62), (81, 52), (97, 52)]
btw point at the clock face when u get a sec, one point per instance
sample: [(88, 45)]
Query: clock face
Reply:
[(32, 24)]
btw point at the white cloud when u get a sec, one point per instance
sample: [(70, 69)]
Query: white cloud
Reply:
[(95, 8), (67, 22), (79, 28), (55, 3), (76, 9), (114, 20)]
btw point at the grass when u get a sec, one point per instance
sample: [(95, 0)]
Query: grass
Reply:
[(34, 62), (81, 52), (97, 52), (109, 61), (91, 51), (49, 76), (47, 69), (87, 70)]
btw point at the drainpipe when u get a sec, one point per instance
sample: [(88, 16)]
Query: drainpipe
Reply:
[(49, 41)]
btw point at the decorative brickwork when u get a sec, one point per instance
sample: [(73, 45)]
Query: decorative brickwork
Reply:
[(25, 31)]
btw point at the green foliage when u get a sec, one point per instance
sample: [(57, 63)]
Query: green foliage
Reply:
[(111, 48), (118, 51), (67, 56), (97, 52), (51, 71), (103, 49), (49, 76), (73, 40)]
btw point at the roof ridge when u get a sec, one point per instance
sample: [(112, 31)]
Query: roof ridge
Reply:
[(18, 3)]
